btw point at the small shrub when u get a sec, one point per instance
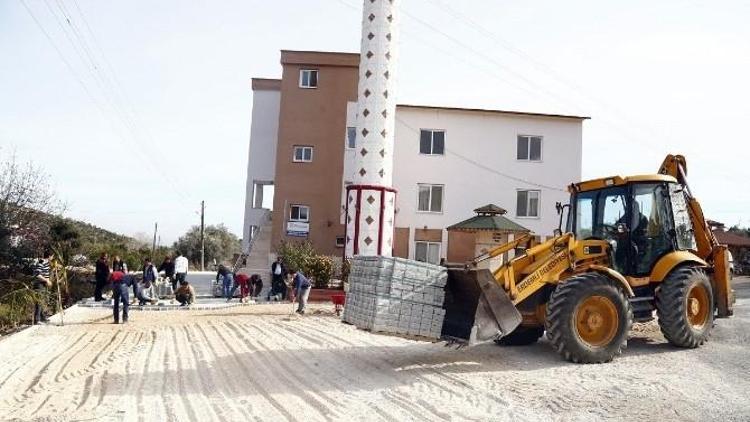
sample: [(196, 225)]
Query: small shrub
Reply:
[(296, 255), (320, 268)]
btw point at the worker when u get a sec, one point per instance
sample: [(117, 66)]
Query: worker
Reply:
[(167, 266), (180, 269), (185, 294), (278, 275), (257, 284), (102, 276), (41, 284), (301, 286), (241, 281), (120, 294), (224, 275)]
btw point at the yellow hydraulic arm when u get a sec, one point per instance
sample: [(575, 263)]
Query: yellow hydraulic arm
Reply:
[(708, 248)]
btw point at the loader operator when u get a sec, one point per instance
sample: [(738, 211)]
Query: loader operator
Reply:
[(634, 238)]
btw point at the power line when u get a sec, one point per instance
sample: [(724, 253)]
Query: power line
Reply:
[(111, 100)]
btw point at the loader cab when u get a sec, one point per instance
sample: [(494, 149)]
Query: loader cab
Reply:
[(641, 218)]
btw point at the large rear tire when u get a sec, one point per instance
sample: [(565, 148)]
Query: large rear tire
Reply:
[(588, 319), (522, 336), (685, 306)]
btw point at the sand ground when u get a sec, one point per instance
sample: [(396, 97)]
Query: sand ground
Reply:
[(256, 363)]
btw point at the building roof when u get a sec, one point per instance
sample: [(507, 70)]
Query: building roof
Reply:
[(484, 110), (489, 217), (264, 84), (731, 239), (319, 58)]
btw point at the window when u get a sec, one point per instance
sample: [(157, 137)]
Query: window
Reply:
[(340, 241), (351, 137), (432, 142), (527, 203), (300, 213), (308, 78), (427, 252), (529, 148), (682, 223), (302, 154), (430, 198)]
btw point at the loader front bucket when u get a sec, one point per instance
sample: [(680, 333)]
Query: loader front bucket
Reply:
[(477, 309)]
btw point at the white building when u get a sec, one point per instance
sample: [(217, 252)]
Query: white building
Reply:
[(449, 161)]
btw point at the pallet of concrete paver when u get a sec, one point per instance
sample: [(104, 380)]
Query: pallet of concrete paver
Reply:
[(396, 296)]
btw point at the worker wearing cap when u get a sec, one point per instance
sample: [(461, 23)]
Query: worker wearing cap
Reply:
[(120, 284)]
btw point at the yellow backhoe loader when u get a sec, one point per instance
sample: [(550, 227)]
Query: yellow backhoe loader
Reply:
[(632, 246)]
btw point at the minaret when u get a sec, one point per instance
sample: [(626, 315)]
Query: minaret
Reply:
[(371, 199)]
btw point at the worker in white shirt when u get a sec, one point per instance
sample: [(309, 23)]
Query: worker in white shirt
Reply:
[(180, 267)]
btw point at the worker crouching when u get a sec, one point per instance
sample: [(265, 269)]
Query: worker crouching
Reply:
[(185, 294)]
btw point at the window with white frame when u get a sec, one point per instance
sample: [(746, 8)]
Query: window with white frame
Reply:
[(427, 252), (432, 142), (529, 148), (351, 137), (302, 154), (340, 241), (308, 78), (430, 198), (299, 213), (527, 203)]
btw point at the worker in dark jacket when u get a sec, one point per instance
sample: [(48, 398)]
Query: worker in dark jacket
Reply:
[(120, 284), (278, 275), (168, 267), (102, 276)]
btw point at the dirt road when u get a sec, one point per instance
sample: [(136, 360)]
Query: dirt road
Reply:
[(255, 363)]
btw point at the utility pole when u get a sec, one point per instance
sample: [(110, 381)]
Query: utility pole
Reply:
[(153, 244), (203, 244)]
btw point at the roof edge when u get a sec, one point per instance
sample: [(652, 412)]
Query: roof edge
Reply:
[(319, 58), (266, 84), (485, 110)]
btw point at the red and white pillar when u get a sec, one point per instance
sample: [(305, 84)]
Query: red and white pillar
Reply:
[(371, 199)]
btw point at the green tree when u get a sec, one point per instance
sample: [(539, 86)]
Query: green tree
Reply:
[(220, 244)]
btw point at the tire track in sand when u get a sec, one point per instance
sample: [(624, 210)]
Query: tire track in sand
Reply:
[(248, 375), (144, 371), (327, 404), (370, 366), (455, 387), (205, 379), (330, 364), (227, 378), (180, 375)]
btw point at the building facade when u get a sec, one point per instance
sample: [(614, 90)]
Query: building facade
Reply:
[(447, 161)]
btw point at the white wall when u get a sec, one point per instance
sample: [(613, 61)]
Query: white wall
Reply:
[(478, 146), (261, 163)]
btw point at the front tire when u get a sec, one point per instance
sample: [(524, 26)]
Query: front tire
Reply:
[(685, 306), (588, 319)]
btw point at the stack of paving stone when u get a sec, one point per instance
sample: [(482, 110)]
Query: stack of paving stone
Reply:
[(396, 295)]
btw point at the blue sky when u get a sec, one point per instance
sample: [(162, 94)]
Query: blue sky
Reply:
[(169, 122)]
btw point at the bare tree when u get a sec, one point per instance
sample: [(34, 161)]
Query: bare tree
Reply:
[(27, 202)]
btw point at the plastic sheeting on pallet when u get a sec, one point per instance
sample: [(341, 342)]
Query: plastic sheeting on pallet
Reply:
[(396, 295)]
